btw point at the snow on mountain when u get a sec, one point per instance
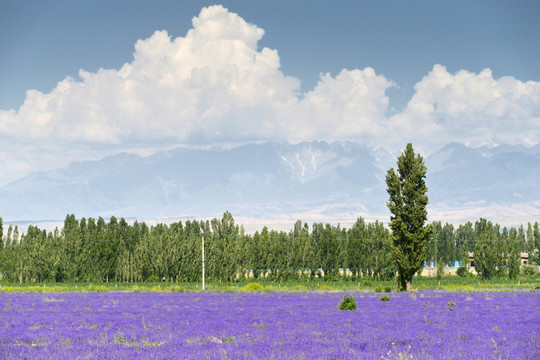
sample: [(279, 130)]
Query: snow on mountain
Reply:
[(329, 181)]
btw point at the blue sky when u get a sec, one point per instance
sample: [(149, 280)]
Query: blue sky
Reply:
[(45, 41), (383, 72)]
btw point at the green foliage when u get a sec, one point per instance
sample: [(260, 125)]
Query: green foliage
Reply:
[(252, 286), (97, 288), (259, 325), (387, 289), (534, 256), (99, 255), (442, 245), (452, 284), (485, 256), (529, 270), (347, 303), (462, 271), (378, 288), (407, 203), (228, 339), (514, 261), (440, 270), (384, 298), (119, 338), (496, 351)]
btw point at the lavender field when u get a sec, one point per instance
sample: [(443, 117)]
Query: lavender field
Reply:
[(426, 325)]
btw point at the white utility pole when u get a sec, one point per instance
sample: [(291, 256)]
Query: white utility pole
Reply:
[(202, 239)]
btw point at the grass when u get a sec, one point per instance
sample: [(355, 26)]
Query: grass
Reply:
[(450, 283)]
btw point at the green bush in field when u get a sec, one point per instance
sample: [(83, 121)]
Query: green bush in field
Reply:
[(529, 270), (387, 289), (97, 288), (378, 288), (384, 298), (176, 288), (253, 286), (348, 303), (462, 271)]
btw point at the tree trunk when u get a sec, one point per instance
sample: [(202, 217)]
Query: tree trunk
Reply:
[(405, 284)]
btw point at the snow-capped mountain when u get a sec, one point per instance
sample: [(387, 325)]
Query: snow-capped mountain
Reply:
[(337, 180)]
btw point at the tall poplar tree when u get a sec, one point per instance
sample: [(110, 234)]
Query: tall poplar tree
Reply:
[(485, 251), (408, 200)]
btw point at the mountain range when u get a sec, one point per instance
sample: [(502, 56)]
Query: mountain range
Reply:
[(328, 182)]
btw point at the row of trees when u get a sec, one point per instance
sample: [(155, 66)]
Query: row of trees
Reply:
[(96, 250), (90, 250), (448, 243)]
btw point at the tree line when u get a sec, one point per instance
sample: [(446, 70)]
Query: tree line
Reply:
[(101, 251)]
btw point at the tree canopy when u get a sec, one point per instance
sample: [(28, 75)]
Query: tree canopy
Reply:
[(408, 200), (97, 250)]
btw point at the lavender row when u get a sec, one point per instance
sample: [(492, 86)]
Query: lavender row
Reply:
[(427, 325)]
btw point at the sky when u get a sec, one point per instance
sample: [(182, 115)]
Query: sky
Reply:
[(83, 80)]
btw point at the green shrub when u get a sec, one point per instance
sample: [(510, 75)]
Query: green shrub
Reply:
[(440, 270), (253, 286), (97, 288), (384, 298), (462, 271), (378, 288), (529, 270), (387, 289), (348, 303), (298, 288)]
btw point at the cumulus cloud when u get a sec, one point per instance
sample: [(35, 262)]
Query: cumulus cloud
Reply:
[(472, 108), (212, 85), (215, 85), (206, 86), (350, 106)]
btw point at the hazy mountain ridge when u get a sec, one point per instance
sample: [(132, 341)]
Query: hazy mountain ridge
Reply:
[(259, 180), (458, 174)]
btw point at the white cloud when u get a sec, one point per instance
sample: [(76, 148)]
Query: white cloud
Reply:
[(350, 106), (212, 85), (471, 108), (215, 85)]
